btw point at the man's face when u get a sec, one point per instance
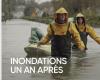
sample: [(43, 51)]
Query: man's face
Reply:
[(80, 20), (61, 18)]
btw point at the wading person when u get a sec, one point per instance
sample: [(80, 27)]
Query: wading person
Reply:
[(84, 30), (60, 33)]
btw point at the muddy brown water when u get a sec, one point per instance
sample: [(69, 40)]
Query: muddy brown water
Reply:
[(15, 35)]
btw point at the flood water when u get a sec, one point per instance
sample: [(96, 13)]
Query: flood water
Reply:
[(15, 35)]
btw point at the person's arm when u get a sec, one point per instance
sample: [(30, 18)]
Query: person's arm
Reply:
[(92, 33), (46, 38), (76, 37)]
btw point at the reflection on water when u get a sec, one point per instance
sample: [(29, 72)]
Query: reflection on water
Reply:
[(15, 38)]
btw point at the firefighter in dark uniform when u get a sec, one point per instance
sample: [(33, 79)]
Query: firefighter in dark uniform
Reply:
[(60, 33), (84, 30)]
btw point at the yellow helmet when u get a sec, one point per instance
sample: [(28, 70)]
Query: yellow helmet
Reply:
[(61, 10), (79, 15)]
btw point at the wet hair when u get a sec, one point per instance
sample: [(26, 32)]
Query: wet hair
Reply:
[(82, 19)]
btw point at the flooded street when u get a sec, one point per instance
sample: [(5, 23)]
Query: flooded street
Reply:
[(15, 35)]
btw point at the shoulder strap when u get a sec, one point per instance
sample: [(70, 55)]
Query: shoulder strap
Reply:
[(68, 26), (51, 29), (76, 27), (85, 28), (86, 31)]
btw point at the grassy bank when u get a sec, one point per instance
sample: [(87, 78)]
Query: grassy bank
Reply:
[(94, 21), (46, 20)]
